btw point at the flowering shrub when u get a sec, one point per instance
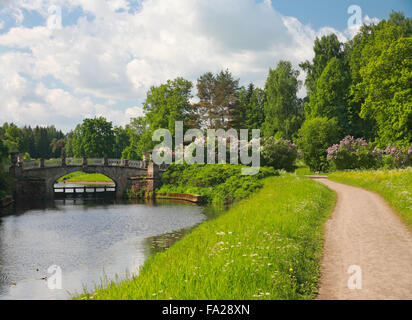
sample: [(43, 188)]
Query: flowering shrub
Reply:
[(353, 153), (279, 153), (396, 157)]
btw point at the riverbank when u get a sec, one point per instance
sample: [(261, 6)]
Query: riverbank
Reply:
[(265, 247), (395, 186), (215, 183)]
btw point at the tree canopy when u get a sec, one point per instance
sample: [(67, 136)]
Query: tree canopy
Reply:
[(283, 112)]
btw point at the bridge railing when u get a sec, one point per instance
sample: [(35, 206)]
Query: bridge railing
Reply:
[(136, 164), (114, 162), (78, 162), (31, 164), (95, 162), (74, 162), (52, 163)]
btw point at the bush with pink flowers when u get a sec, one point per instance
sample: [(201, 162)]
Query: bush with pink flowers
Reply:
[(353, 153), (395, 157), (279, 153)]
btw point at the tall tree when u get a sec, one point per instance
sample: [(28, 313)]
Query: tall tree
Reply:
[(225, 99), (283, 114), (140, 139), (57, 147), (121, 137), (255, 113), (242, 111), (68, 145), (94, 138), (206, 92), (383, 84), (168, 103), (15, 139), (325, 49), (331, 99), (218, 99)]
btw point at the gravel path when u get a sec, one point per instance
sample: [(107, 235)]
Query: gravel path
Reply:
[(364, 231)]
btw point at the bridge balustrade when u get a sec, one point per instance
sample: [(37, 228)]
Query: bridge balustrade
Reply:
[(78, 162), (52, 163), (74, 162), (95, 162), (136, 164), (114, 162), (32, 164)]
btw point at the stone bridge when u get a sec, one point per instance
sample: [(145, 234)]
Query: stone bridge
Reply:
[(45, 173)]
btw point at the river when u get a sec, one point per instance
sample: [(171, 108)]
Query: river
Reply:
[(87, 240)]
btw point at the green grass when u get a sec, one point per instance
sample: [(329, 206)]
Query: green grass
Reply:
[(81, 176), (265, 247), (303, 170), (216, 183), (395, 186)]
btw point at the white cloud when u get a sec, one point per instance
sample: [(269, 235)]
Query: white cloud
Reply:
[(118, 55), (352, 31)]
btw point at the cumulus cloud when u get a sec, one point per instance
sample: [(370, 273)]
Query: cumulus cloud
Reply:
[(350, 32), (115, 53)]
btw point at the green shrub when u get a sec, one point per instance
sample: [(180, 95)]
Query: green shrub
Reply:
[(396, 157), (279, 153), (217, 183), (315, 136), (353, 153)]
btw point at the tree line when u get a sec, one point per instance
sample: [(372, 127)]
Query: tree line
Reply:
[(360, 88)]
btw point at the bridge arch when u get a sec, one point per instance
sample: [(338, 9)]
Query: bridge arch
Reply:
[(120, 175), (94, 171)]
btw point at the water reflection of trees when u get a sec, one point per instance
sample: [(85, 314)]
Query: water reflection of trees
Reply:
[(165, 241)]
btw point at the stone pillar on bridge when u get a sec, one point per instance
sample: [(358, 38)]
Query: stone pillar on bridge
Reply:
[(152, 177), (16, 169), (84, 164), (63, 159), (41, 163), (147, 157)]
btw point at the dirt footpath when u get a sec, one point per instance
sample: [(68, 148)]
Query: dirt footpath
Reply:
[(365, 232)]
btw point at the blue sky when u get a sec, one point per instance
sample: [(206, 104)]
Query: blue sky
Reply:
[(107, 54), (319, 13)]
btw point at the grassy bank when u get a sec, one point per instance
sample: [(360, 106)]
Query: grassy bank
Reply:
[(395, 186), (265, 247), (82, 176), (217, 183)]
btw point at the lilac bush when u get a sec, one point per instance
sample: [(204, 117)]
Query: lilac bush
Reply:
[(279, 153), (395, 157), (353, 153)]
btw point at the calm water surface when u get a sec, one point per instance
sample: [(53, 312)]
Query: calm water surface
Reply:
[(87, 239)]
